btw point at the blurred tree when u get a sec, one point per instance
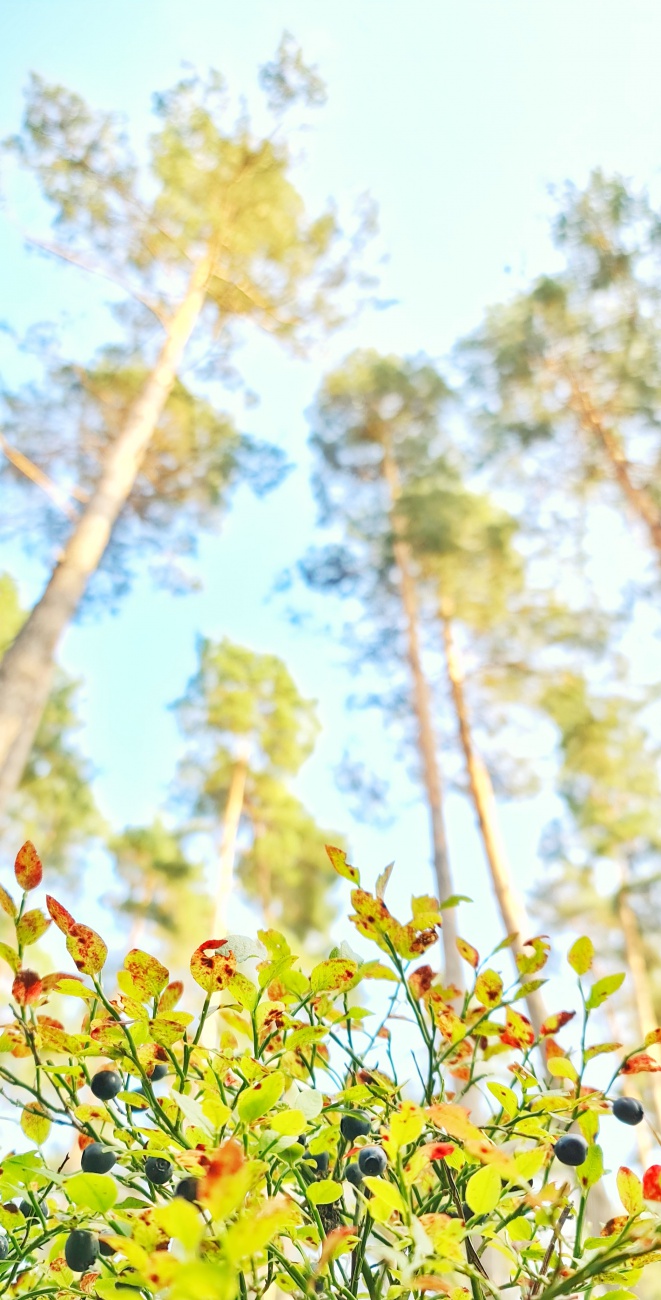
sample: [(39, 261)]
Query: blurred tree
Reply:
[(162, 890), (609, 781), (54, 805), (373, 419), (568, 374), (250, 729), (209, 235), (284, 866)]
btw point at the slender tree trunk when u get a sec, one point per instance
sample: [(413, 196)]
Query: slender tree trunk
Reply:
[(635, 955), (27, 668), (638, 498), (510, 904), (422, 704), (231, 823)]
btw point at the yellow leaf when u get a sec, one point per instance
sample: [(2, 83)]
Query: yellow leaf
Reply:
[(483, 1190), (506, 1097), (35, 1124), (581, 955), (406, 1125), (385, 1192), (630, 1190), (561, 1067)]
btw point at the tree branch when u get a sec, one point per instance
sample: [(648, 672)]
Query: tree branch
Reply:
[(77, 260), (36, 475)]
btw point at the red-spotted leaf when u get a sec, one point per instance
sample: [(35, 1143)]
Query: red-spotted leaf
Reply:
[(555, 1022), (63, 919), (27, 867), (438, 1150), (640, 1063), (210, 968), (149, 975), (338, 860), (87, 948), (630, 1190), (489, 988), (468, 952), (27, 988), (11, 956), (7, 903), (654, 1036), (518, 1031), (652, 1183), (31, 927), (170, 996), (336, 975)]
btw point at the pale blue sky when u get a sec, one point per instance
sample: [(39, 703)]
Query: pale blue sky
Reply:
[(457, 118)]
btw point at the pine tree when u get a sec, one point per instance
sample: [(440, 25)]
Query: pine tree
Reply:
[(371, 418), (210, 235), (609, 781), (54, 805), (568, 374), (162, 894), (250, 730)]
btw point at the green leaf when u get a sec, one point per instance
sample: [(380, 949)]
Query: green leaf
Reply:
[(581, 955), (35, 1124), (182, 1221), (483, 1190), (96, 1192), (386, 1192), (592, 1168), (453, 901), (603, 989), (260, 1097), (10, 956), (325, 1192)]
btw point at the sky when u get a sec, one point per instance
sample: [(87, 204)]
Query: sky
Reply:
[(459, 120)]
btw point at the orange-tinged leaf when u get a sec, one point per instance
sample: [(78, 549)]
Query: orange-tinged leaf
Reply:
[(518, 1031), (382, 880), (454, 1119), (87, 948), (27, 988), (654, 1036), (148, 974), (63, 919), (170, 996), (420, 981), (600, 1048), (489, 988), (437, 1150), (555, 1022), (640, 1063), (27, 867), (338, 1242), (338, 860), (630, 1190), (7, 903), (468, 952), (581, 955), (652, 1183), (210, 968), (31, 927)]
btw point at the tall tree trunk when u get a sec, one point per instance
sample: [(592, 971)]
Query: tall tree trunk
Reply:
[(422, 704), (231, 823), (510, 904), (635, 955), (27, 668), (638, 498)]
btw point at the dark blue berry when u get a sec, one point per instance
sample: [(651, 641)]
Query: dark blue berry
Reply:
[(628, 1110), (372, 1161), (97, 1159), (571, 1149)]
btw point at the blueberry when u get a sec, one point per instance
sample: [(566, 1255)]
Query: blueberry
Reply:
[(320, 1161), (28, 1211), (372, 1160), (81, 1250), (354, 1126), (97, 1159), (106, 1084), (158, 1170), (628, 1110), (571, 1149), (159, 1071), (353, 1175), (105, 1248), (188, 1188)]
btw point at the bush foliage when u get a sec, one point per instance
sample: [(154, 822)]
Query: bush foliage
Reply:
[(276, 1154)]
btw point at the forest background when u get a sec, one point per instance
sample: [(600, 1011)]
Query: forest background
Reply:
[(517, 346)]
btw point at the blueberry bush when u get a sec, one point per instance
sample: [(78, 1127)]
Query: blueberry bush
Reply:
[(288, 1148)]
